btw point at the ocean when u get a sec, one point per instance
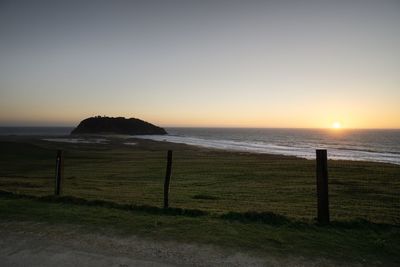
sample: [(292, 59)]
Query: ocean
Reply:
[(36, 131), (346, 144)]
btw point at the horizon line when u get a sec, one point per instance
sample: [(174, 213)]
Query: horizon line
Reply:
[(208, 127)]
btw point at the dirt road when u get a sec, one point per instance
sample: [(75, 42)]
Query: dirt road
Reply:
[(33, 244), (37, 244)]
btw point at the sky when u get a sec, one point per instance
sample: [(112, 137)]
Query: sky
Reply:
[(300, 64)]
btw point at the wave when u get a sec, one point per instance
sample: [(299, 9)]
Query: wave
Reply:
[(304, 151), (77, 140)]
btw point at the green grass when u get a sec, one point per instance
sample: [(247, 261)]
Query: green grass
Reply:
[(210, 180), (259, 234)]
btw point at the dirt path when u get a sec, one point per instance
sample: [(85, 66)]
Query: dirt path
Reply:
[(34, 244)]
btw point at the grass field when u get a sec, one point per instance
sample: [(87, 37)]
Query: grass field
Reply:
[(211, 191), (210, 180)]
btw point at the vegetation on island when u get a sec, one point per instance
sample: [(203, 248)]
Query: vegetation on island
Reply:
[(118, 125)]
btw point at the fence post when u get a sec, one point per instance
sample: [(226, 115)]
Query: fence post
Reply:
[(322, 186), (59, 172), (167, 178)]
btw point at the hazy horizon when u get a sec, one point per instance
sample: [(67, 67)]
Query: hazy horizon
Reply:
[(201, 127), (229, 64)]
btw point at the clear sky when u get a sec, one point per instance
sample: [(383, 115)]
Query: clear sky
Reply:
[(201, 63)]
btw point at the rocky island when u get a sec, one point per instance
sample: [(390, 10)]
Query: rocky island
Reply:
[(118, 125)]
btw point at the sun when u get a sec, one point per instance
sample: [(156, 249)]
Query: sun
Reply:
[(336, 125)]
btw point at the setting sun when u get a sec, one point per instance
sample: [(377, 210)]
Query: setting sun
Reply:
[(336, 125)]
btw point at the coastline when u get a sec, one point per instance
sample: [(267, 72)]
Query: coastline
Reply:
[(128, 140), (272, 149), (346, 144)]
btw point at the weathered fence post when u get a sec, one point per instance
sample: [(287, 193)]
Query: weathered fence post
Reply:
[(322, 186), (167, 178), (59, 172)]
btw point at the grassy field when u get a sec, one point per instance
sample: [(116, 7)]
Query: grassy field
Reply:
[(210, 180), (211, 191), (355, 243)]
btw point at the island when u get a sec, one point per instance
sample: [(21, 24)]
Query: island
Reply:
[(117, 125)]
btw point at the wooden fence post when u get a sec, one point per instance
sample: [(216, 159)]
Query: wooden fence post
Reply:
[(322, 186), (167, 178), (59, 172)]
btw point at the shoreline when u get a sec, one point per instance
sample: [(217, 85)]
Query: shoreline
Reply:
[(366, 146), (123, 139), (243, 147)]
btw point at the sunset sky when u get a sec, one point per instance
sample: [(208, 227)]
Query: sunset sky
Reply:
[(300, 64)]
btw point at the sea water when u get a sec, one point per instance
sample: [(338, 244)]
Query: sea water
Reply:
[(36, 131), (346, 144)]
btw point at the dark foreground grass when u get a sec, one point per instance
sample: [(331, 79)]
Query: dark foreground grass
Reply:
[(264, 234), (107, 204)]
